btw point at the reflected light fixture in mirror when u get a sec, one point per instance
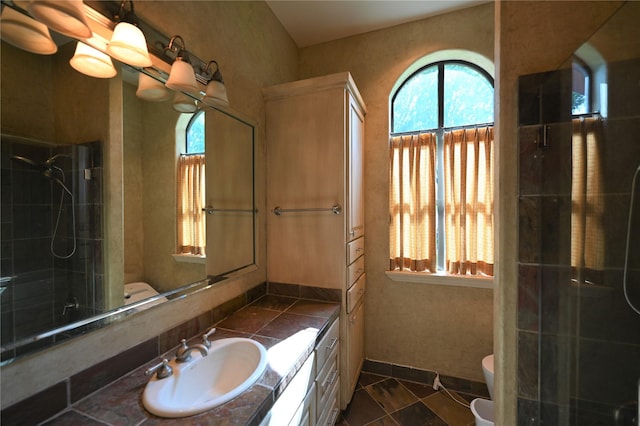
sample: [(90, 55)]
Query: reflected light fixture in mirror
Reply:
[(216, 91), (64, 16), (182, 76), (183, 103), (150, 89), (92, 62), (25, 33)]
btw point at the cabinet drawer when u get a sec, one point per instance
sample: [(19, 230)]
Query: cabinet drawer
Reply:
[(328, 415), (327, 345), (356, 292), (327, 379), (355, 270), (355, 249)]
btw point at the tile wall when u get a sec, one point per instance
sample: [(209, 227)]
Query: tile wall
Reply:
[(36, 284), (578, 346)]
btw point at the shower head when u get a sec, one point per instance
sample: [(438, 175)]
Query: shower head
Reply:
[(28, 162), (47, 169)]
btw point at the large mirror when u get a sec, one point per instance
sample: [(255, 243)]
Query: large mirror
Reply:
[(89, 200)]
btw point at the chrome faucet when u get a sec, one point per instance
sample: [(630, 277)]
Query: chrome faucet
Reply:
[(183, 354)]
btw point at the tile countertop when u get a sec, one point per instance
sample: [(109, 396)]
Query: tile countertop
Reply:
[(271, 320)]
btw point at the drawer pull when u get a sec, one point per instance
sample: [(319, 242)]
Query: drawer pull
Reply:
[(353, 319), (359, 249), (334, 417), (330, 380), (333, 344)]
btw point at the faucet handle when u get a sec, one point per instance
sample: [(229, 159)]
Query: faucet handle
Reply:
[(182, 353), (205, 337), (162, 370)]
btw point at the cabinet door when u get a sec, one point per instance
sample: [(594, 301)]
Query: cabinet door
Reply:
[(356, 344), (355, 209), (305, 170)]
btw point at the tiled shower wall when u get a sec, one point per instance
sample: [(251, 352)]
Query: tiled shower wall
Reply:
[(37, 285), (578, 346)]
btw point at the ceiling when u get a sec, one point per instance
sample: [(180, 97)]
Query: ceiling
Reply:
[(311, 22)]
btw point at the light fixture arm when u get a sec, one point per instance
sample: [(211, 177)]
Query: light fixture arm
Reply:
[(180, 48), (123, 16), (215, 75)]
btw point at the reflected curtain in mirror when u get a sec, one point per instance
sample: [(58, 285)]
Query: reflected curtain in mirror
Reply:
[(191, 199), (587, 202), (412, 203), (468, 173)]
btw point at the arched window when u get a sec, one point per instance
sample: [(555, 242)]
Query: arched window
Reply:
[(441, 171), (191, 220), (581, 88), (194, 141)]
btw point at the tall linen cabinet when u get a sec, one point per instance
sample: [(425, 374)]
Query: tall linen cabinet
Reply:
[(315, 222)]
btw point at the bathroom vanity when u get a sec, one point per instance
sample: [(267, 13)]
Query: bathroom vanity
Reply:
[(300, 384), (315, 197)]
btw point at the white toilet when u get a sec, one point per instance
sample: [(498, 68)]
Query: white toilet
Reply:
[(482, 408)]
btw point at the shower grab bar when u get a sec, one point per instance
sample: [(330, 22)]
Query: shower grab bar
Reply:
[(336, 209), (211, 210)]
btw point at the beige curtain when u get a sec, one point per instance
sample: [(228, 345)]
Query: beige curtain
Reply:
[(191, 199), (587, 203), (413, 203), (468, 176)]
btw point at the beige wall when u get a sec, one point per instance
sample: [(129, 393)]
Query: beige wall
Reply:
[(133, 186), (531, 37), (448, 329), (34, 107), (253, 51)]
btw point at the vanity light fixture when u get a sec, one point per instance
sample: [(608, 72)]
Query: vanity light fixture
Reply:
[(25, 33), (216, 92), (183, 103), (92, 62), (128, 43), (64, 16), (151, 89), (182, 76)]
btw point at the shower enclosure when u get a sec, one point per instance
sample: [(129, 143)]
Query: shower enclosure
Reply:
[(52, 237), (579, 256)]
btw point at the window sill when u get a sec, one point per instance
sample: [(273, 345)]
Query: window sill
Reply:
[(440, 279), (189, 258)]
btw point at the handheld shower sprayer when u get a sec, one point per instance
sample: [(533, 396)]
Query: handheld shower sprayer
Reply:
[(54, 173), (625, 277)]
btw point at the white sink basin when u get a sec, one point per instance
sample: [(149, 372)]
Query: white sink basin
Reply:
[(232, 366)]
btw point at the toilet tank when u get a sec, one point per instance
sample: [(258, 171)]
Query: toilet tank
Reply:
[(137, 291)]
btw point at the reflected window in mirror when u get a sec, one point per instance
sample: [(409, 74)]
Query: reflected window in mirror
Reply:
[(191, 220), (194, 140), (581, 83)]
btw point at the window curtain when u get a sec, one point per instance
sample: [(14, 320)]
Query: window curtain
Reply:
[(587, 203), (191, 198), (468, 176), (413, 202)]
